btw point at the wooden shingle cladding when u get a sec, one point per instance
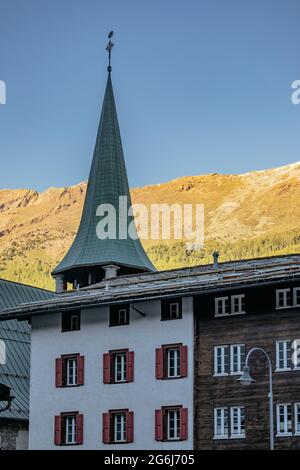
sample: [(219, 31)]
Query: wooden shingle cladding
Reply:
[(261, 326)]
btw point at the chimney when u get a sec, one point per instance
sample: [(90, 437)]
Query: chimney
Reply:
[(216, 255), (59, 283), (111, 271)]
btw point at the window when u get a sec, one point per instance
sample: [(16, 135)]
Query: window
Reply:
[(71, 366), (297, 418), (221, 424), (118, 366), (68, 429), (70, 321), (236, 430), (238, 304), (233, 305), (284, 420), (172, 361), (237, 417), (283, 298), (171, 309), (119, 315), (296, 297), (221, 306), (237, 358), (283, 355), (69, 371), (221, 360), (229, 359), (171, 424), (118, 426)]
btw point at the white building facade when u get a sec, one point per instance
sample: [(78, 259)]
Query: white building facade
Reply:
[(155, 407)]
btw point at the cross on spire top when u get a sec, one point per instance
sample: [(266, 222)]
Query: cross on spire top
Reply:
[(109, 47)]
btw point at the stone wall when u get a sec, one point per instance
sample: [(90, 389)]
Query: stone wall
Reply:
[(13, 435)]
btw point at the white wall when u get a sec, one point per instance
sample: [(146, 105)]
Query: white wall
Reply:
[(142, 396)]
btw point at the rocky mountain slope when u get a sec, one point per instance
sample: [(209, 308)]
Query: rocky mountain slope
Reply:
[(249, 215)]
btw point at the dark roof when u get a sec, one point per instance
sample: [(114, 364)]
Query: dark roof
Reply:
[(107, 182), (16, 335), (197, 280)]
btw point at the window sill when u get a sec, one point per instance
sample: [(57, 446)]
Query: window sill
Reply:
[(171, 319), (288, 369), (229, 314), (220, 438), (221, 375), (238, 436), (287, 434)]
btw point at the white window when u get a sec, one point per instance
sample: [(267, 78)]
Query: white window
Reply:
[(237, 358), (237, 422), (120, 427), (283, 298), (221, 425), (174, 310), (221, 360), (173, 359), (120, 367), (238, 304), (283, 355), (234, 305), (71, 372), (296, 297), (284, 419), (221, 306), (173, 425), (297, 418), (296, 354), (70, 430)]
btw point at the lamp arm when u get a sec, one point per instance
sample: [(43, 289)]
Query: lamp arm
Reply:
[(270, 396)]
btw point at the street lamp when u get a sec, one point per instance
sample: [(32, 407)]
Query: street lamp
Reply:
[(246, 380)]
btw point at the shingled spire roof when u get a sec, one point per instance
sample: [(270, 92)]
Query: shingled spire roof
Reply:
[(107, 182)]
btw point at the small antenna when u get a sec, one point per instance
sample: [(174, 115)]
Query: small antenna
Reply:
[(109, 47)]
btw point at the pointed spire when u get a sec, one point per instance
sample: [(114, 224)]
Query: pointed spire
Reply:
[(107, 182)]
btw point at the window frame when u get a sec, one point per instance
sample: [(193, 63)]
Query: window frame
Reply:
[(240, 298), (68, 360), (66, 321), (223, 306), (296, 406), (114, 312), (166, 309), (295, 295), (285, 433), (177, 362), (285, 291), (223, 347), (240, 362), (285, 353), (224, 410), (177, 424), (242, 433), (123, 355)]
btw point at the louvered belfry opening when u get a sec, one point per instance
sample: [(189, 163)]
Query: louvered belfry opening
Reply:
[(89, 258)]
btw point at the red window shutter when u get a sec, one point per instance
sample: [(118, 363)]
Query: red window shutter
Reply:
[(183, 361), (160, 363), (130, 366), (129, 426), (59, 372), (106, 368), (106, 428), (183, 423), (80, 367), (57, 430), (159, 431), (79, 429)]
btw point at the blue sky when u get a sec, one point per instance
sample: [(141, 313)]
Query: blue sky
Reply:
[(201, 87)]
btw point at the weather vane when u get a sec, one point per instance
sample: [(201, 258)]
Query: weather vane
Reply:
[(109, 47)]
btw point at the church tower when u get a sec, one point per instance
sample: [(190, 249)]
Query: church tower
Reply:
[(90, 258)]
